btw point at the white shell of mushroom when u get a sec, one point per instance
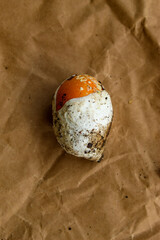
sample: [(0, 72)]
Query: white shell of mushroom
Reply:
[(82, 124)]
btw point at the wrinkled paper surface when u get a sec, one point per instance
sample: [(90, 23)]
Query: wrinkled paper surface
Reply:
[(46, 194)]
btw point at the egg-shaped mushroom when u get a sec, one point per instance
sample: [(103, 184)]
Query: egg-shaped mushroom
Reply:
[(82, 116)]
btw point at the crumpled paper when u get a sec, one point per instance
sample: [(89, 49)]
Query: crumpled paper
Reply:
[(44, 192)]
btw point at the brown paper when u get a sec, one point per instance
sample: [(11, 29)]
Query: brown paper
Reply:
[(44, 192)]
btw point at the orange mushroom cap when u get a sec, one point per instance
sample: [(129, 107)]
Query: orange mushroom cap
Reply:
[(76, 87)]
